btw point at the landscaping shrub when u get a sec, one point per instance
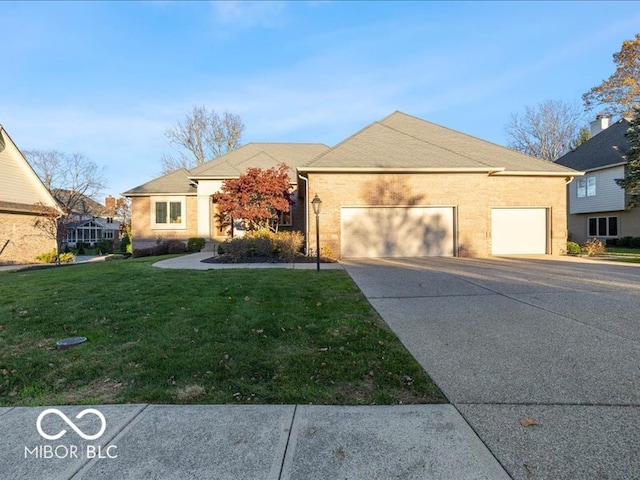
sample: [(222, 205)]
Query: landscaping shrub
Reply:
[(625, 242), (125, 244), (593, 247), (163, 248), (50, 257), (176, 246), (195, 244), (288, 245), (80, 247), (104, 246), (611, 242), (634, 242), (573, 248), (237, 249)]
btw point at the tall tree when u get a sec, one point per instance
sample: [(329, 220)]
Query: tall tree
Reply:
[(256, 197), (631, 181), (70, 178), (547, 131), (620, 94), (201, 137)]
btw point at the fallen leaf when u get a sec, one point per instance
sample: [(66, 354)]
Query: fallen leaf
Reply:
[(528, 421), (247, 298), (318, 304)]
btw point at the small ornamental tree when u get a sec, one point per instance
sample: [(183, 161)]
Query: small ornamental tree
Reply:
[(631, 181), (256, 197)]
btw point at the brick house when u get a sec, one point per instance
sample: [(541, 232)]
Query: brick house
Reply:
[(23, 200), (399, 187)]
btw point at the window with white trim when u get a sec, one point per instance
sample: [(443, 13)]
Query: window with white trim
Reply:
[(586, 187), (168, 213), (603, 226)]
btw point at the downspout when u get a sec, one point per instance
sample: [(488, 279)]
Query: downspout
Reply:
[(306, 213)]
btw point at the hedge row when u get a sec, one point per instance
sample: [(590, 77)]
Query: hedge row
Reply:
[(163, 248)]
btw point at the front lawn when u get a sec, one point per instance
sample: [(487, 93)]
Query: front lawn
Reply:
[(217, 336), (619, 254)]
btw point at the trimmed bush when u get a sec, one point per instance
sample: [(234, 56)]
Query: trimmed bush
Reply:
[(195, 244), (573, 248), (625, 242), (634, 242), (163, 248)]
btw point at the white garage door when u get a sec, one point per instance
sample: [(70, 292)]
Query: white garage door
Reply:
[(518, 231), (397, 231)]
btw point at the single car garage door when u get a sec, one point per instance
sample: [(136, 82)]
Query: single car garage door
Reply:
[(518, 231), (397, 231)]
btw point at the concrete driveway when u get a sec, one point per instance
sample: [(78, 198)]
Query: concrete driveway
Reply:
[(552, 340)]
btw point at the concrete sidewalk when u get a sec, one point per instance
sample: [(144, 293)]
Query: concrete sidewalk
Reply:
[(194, 261), (243, 441)]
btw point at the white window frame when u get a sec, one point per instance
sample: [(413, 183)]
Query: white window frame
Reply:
[(586, 187), (168, 200)]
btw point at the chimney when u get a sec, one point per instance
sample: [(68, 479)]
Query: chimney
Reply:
[(599, 124), (110, 203)]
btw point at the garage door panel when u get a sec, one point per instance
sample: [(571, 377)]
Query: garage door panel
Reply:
[(397, 231), (518, 231)]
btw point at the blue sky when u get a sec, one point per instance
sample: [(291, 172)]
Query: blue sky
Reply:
[(107, 79)]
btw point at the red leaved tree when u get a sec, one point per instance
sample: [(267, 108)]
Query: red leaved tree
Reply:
[(256, 197)]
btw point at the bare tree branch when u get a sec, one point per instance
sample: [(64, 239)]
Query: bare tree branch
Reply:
[(201, 137), (547, 131)]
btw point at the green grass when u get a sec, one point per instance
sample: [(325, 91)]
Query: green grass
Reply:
[(218, 336), (627, 255)]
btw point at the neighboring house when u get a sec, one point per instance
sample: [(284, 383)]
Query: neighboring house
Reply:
[(88, 221), (597, 205), (23, 200), (399, 187)]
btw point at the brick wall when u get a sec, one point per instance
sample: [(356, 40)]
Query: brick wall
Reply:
[(25, 241), (472, 194), (145, 236)]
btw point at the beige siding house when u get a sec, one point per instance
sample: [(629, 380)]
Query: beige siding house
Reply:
[(597, 205), (23, 199), (400, 187)]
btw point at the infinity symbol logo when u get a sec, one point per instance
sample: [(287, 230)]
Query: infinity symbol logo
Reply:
[(70, 423)]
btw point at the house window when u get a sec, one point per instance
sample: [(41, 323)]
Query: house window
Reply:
[(168, 213), (603, 226), (285, 219), (586, 187), (108, 234)]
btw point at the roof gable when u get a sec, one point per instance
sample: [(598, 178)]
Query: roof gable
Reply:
[(609, 147), (260, 155), (20, 186)]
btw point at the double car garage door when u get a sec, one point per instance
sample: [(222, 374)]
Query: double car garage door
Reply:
[(391, 231)]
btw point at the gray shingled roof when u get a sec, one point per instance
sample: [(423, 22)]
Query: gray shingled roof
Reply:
[(232, 165), (260, 155), (401, 141), (609, 147), (177, 182)]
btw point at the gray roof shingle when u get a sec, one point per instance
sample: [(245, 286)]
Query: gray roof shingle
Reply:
[(177, 182), (609, 147), (401, 141)]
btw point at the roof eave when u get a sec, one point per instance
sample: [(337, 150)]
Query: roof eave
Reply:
[(488, 170), (529, 173), (604, 167)]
